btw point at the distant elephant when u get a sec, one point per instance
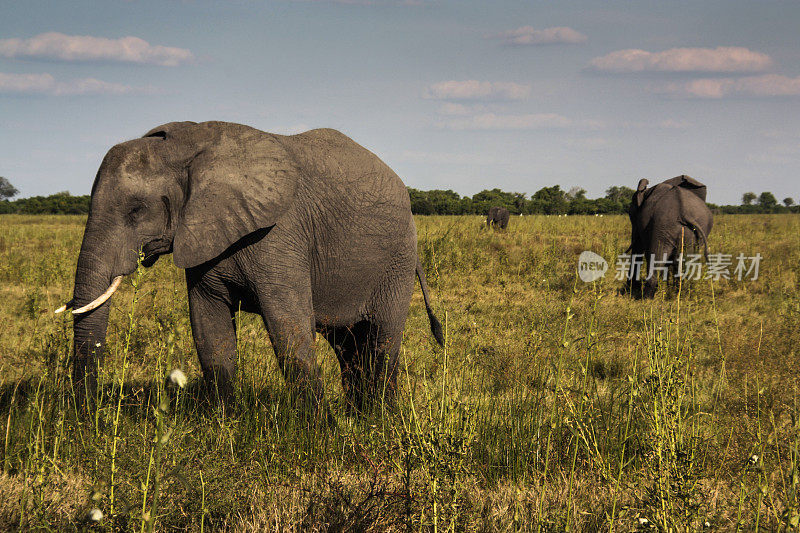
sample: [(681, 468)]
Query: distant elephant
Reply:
[(498, 216), (311, 231), (663, 217)]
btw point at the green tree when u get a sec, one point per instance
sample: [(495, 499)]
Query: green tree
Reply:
[(519, 201), (7, 190), (620, 194), (549, 200), (767, 200), (445, 202), (748, 198), (420, 203), (788, 202), (485, 199), (607, 206)]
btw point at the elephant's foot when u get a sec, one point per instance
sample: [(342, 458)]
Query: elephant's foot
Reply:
[(312, 406), (306, 394), (633, 288), (218, 385), (649, 291)]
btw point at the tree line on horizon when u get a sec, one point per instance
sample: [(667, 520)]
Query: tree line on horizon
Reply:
[(555, 201), (546, 201)]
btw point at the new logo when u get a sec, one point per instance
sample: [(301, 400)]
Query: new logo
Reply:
[(591, 266)]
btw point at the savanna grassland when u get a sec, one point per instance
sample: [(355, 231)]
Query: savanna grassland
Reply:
[(555, 405)]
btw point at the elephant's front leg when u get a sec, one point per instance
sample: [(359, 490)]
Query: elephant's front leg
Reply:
[(215, 339)]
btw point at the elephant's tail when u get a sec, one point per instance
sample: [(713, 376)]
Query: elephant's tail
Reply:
[(696, 228), (436, 326), (705, 241)]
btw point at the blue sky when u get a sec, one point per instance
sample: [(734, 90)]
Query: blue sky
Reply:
[(461, 95)]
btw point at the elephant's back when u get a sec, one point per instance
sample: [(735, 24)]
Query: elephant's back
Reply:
[(327, 155), (355, 192)]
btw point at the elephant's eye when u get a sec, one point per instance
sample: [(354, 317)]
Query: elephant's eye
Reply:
[(136, 211)]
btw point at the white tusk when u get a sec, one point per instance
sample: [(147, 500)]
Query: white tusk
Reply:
[(100, 300), (64, 307)]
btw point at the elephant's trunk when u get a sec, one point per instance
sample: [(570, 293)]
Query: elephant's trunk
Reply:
[(93, 277)]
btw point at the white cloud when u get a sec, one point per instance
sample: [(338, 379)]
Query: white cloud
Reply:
[(768, 85), (59, 47), (449, 108), (530, 36), (720, 59), (477, 90), (46, 84), (529, 121)]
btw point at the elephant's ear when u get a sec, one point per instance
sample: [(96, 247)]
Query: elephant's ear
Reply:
[(685, 182), (638, 196), (243, 182), (169, 128)]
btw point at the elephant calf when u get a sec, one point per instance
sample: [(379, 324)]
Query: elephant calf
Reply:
[(664, 218), (498, 216), (311, 231)]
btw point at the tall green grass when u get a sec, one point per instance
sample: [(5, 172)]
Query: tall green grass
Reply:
[(555, 405)]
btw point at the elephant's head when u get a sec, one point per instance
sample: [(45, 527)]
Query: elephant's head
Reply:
[(194, 189)]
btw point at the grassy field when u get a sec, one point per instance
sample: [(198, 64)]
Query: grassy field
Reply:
[(555, 405)]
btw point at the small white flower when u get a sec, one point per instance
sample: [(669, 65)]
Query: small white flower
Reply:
[(96, 515), (178, 377), (706, 524), (754, 459), (97, 345), (643, 521)]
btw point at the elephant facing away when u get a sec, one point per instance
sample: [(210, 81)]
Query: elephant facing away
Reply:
[(311, 231), (498, 216), (664, 218)]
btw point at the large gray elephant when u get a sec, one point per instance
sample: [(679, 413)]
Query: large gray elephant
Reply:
[(311, 231), (497, 216), (664, 218)]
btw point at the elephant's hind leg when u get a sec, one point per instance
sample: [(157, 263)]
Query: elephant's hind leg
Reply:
[(348, 344), (383, 381), (368, 360), (386, 335), (287, 314), (381, 348)]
